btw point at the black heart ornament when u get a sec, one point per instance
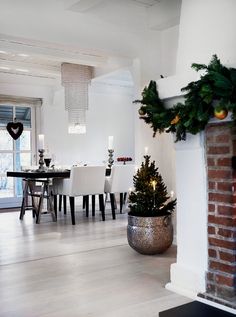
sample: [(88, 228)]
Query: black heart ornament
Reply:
[(15, 129)]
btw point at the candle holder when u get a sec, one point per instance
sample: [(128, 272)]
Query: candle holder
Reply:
[(110, 158), (41, 160)]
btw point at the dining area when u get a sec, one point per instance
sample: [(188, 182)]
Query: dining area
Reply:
[(46, 187)]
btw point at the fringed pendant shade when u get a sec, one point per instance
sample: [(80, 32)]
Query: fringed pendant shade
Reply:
[(76, 79)]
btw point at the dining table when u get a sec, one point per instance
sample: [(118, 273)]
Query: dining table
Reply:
[(30, 178)]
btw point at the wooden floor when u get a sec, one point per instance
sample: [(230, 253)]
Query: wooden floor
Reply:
[(60, 270)]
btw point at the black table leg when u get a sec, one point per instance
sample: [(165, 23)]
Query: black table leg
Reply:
[(22, 210)]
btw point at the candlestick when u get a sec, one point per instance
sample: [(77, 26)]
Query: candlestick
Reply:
[(41, 160), (110, 158), (41, 141), (110, 142)]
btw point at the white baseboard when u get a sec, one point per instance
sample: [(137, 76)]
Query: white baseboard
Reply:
[(181, 291), (186, 281)]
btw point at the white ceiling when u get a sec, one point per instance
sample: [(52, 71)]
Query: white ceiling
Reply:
[(68, 22), (35, 58)]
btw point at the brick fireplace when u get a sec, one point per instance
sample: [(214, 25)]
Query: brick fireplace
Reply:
[(221, 275)]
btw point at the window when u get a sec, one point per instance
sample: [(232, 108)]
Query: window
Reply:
[(15, 153)]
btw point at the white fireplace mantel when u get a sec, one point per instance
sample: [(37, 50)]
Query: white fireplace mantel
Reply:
[(170, 87), (188, 273)]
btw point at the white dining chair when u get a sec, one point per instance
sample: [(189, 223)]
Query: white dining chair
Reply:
[(83, 181), (120, 181)]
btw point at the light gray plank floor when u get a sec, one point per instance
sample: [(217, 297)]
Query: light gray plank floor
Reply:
[(60, 270)]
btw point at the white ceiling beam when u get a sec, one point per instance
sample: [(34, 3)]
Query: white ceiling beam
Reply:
[(20, 79), (53, 52), (82, 5), (31, 68)]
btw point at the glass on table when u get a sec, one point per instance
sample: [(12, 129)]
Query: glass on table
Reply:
[(47, 161)]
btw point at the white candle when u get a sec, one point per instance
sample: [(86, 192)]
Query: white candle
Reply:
[(110, 142), (172, 194), (154, 185), (146, 150), (41, 142)]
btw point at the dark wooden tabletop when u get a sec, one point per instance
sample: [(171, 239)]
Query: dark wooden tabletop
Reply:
[(48, 174), (34, 174)]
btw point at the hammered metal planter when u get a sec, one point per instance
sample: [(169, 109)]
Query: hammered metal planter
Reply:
[(150, 235)]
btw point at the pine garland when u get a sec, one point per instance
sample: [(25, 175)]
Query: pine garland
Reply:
[(216, 89)]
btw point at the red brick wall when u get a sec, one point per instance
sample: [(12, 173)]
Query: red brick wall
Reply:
[(220, 147)]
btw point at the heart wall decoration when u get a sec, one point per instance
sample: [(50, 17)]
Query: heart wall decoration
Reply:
[(15, 129)]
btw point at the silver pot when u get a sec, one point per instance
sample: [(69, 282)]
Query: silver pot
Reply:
[(150, 235)]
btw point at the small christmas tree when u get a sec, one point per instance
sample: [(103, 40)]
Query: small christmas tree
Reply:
[(150, 197)]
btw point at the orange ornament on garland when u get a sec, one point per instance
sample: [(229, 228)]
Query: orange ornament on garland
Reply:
[(175, 120), (220, 113)]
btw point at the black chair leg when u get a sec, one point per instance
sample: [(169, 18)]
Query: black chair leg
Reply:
[(72, 209), (60, 202), (112, 199), (84, 202), (121, 202), (93, 205), (55, 204), (64, 204), (102, 206), (115, 204), (87, 205)]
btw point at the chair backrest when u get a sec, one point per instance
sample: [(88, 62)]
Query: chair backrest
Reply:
[(122, 178), (87, 180)]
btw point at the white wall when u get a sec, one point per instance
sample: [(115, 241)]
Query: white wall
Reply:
[(110, 113), (161, 148), (207, 27), (169, 47)]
